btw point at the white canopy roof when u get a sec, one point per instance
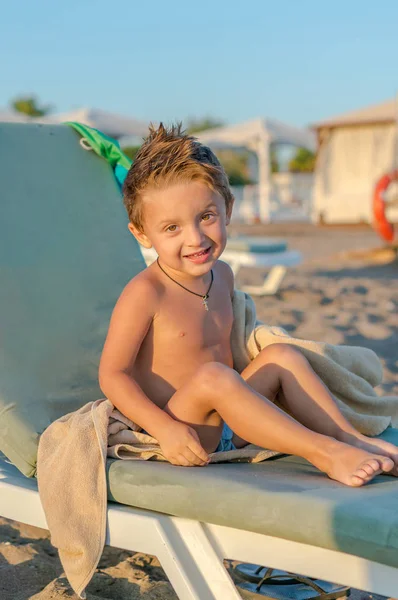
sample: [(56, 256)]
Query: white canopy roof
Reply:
[(258, 135), (385, 112), (111, 124), (250, 133), (13, 116)]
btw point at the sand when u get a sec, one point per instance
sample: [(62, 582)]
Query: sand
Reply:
[(346, 291)]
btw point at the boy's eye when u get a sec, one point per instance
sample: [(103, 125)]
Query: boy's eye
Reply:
[(206, 217), (171, 228)]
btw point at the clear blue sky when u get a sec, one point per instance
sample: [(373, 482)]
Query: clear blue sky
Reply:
[(296, 60)]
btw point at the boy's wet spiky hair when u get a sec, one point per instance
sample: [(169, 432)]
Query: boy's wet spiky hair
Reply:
[(169, 156)]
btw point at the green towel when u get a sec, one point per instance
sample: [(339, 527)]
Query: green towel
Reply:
[(106, 147)]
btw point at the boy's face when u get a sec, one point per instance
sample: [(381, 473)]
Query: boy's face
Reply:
[(186, 224)]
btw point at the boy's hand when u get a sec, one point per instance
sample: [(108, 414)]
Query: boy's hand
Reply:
[(181, 446)]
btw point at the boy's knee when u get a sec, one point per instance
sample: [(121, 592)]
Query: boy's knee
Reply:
[(214, 376), (282, 354)]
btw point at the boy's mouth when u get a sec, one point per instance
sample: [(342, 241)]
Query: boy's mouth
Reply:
[(200, 256)]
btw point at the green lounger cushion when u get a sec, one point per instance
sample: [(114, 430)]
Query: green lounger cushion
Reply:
[(65, 256), (259, 245), (286, 498)]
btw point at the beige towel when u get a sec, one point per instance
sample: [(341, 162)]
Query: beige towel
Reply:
[(72, 451), (127, 442), (350, 372), (72, 482)]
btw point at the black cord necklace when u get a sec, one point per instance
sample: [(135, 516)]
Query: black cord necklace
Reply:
[(204, 297)]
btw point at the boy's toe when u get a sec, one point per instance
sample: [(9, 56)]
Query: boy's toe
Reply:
[(386, 464), (374, 464), (370, 469), (359, 478)]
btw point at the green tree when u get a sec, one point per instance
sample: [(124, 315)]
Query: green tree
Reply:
[(302, 162), (28, 105), (236, 166), (274, 161)]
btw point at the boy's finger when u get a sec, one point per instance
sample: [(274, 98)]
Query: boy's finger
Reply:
[(182, 461), (193, 459), (194, 434), (198, 450)]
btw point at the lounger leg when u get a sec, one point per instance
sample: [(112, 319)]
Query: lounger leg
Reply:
[(190, 556), (271, 283), (192, 563)]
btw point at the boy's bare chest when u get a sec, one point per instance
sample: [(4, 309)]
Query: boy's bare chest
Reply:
[(185, 321), (182, 337)]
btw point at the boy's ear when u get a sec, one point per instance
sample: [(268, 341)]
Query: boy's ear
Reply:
[(139, 236), (229, 212)]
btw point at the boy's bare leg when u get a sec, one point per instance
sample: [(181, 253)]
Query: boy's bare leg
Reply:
[(281, 367), (218, 393)]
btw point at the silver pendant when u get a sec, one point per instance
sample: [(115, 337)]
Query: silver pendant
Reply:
[(204, 299)]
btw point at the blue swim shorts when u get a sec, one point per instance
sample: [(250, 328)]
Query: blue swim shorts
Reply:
[(226, 442)]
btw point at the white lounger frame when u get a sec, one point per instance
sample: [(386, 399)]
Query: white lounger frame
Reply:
[(192, 553), (276, 261)]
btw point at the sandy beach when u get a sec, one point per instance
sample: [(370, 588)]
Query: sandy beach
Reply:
[(344, 292)]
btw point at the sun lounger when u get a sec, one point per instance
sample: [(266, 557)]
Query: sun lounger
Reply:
[(65, 256), (260, 252), (255, 252)]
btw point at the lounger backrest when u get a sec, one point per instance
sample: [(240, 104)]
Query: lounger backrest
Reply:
[(65, 256)]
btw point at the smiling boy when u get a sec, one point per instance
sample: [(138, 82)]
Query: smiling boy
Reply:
[(167, 361)]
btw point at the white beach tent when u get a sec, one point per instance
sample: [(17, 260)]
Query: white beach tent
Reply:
[(354, 150), (112, 124), (258, 135)]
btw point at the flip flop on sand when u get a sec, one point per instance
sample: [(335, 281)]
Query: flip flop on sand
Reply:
[(281, 585)]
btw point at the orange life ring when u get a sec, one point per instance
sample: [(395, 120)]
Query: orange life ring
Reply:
[(380, 223)]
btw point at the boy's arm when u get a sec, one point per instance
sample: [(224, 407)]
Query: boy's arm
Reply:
[(130, 322)]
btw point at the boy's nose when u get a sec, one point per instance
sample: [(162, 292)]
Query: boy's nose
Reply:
[(195, 237)]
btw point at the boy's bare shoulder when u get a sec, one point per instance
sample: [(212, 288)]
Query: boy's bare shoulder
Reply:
[(144, 288), (225, 271), (131, 319)]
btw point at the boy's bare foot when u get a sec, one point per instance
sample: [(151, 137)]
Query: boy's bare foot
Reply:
[(374, 445), (351, 466)]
